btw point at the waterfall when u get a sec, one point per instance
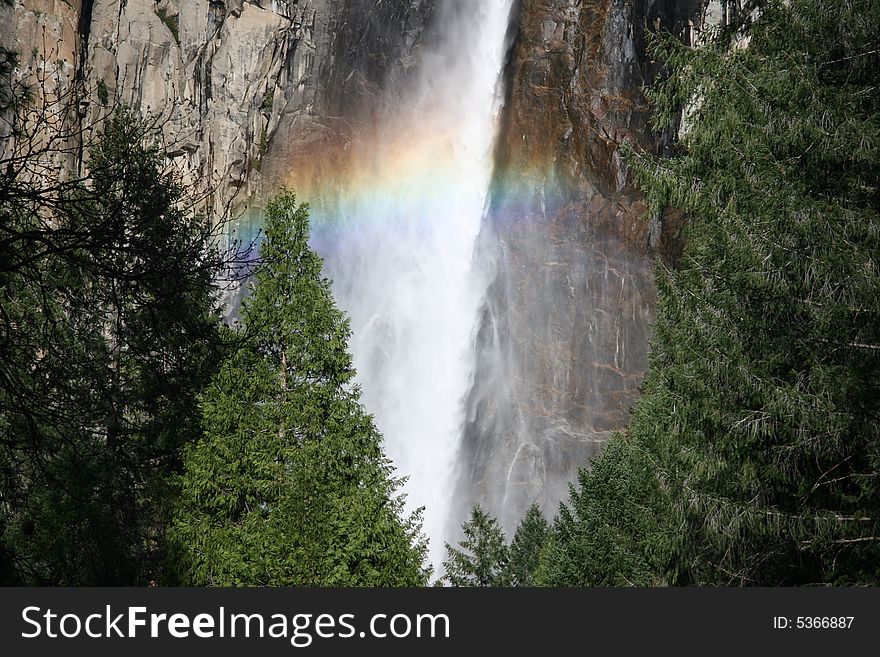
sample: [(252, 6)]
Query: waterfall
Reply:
[(400, 250)]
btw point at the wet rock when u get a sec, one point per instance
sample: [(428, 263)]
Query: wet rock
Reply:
[(570, 311)]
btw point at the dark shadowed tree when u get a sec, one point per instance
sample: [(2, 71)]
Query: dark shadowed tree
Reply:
[(107, 333)]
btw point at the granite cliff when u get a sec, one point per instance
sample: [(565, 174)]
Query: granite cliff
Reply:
[(564, 333), (228, 81)]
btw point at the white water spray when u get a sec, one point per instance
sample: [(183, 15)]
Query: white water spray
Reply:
[(402, 261)]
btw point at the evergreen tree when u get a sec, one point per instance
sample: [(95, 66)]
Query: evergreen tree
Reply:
[(10, 92), (752, 456), (525, 549), (109, 329), (289, 485), (605, 534), (484, 554)]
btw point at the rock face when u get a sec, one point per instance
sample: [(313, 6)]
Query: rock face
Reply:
[(564, 334), (367, 49), (228, 81)]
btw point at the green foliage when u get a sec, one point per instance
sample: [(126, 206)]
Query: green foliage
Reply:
[(171, 22), (753, 455), (109, 330), (12, 92), (268, 101), (525, 549), (605, 535), (290, 485), (484, 554), (103, 94)]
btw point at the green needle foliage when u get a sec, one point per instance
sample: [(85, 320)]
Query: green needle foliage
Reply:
[(600, 538), (290, 485), (753, 457), (108, 331), (525, 549), (484, 554)]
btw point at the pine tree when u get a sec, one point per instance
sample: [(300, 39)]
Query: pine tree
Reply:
[(484, 554), (760, 413), (526, 546), (752, 457), (604, 534), (107, 294), (290, 485), (11, 91)]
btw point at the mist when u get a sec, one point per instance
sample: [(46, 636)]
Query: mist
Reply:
[(400, 249)]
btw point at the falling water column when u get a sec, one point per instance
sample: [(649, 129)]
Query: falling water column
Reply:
[(400, 245)]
